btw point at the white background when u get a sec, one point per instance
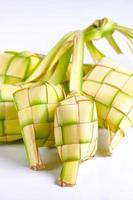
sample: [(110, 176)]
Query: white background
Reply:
[(36, 26)]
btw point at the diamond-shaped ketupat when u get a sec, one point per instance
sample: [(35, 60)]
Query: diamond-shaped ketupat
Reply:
[(74, 138), (36, 107), (76, 125), (114, 98)]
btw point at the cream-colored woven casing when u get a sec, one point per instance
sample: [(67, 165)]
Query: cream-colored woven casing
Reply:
[(36, 107), (76, 128), (112, 88)]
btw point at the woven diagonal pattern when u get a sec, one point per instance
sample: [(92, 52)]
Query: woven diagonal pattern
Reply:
[(76, 128), (36, 107), (9, 124), (17, 66), (112, 89)]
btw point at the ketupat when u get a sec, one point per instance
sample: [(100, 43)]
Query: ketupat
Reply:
[(111, 77), (76, 126), (36, 106), (112, 88), (110, 85)]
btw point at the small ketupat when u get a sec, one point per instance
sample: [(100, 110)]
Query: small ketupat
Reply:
[(112, 88), (76, 134), (36, 107)]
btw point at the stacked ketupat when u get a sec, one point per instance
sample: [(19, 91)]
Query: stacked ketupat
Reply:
[(15, 70), (44, 70), (76, 126)]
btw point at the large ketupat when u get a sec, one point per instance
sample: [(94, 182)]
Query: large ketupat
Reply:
[(76, 126), (36, 107), (112, 88)]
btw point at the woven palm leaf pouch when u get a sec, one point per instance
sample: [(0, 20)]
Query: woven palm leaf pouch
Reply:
[(111, 86)]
